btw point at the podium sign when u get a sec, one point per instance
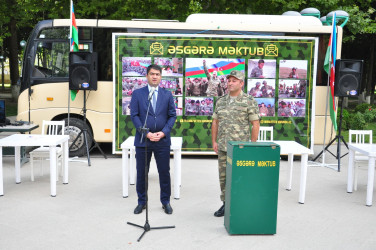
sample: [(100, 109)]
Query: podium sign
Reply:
[(252, 177)]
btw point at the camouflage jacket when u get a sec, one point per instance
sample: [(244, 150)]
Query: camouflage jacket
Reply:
[(256, 72), (235, 118)]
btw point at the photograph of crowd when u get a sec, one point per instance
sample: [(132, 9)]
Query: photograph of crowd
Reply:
[(170, 66), (261, 87), (266, 106), (178, 105), (199, 106), (199, 86), (261, 68), (207, 77), (291, 107), (130, 84), (293, 69), (135, 66), (174, 85), (292, 88), (126, 103)]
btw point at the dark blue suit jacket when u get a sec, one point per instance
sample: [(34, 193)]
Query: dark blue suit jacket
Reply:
[(162, 119)]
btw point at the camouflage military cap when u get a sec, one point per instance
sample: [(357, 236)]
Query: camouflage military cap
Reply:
[(237, 74)]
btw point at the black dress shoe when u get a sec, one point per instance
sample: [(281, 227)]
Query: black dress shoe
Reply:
[(220, 212), (139, 208), (167, 208)]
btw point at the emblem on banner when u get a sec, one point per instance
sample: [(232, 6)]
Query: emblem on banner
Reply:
[(156, 49), (271, 50)]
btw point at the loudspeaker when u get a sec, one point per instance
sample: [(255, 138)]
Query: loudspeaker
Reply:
[(348, 77), (83, 71)]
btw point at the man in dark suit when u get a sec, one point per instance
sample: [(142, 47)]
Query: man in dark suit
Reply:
[(160, 120)]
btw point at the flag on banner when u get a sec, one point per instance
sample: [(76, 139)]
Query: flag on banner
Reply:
[(329, 67), (73, 42), (222, 67)]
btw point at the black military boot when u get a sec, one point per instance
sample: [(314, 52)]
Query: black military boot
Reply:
[(221, 211)]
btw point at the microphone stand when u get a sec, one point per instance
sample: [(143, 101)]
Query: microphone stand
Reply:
[(144, 130)]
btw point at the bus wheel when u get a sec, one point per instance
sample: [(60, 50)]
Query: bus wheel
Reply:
[(76, 127)]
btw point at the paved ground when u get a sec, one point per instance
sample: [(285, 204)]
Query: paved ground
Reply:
[(90, 213)]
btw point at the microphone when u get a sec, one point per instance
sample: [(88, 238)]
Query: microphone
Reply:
[(152, 89)]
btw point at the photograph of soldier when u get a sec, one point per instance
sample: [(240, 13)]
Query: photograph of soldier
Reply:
[(261, 68), (268, 88), (292, 88), (293, 69), (135, 66), (254, 87), (210, 74), (291, 107), (266, 106), (126, 102), (130, 84), (199, 106), (170, 66), (293, 73), (194, 87), (178, 105)]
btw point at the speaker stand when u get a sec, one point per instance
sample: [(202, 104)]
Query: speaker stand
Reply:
[(338, 137), (84, 131)]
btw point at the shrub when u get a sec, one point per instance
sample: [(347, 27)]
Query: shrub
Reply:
[(357, 121), (362, 107), (345, 118), (370, 115)]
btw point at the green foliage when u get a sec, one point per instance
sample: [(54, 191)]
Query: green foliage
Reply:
[(362, 107), (345, 119), (370, 115), (357, 121)]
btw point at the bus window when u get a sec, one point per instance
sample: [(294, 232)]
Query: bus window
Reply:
[(52, 59)]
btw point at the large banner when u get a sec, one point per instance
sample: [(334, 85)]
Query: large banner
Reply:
[(280, 74)]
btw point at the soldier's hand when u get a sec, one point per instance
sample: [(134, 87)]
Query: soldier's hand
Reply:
[(215, 147)]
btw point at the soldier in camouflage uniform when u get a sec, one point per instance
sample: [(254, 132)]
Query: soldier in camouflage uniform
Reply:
[(195, 87), (232, 117), (213, 82), (284, 110), (258, 71)]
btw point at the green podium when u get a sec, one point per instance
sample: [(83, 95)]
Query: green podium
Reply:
[(252, 176)]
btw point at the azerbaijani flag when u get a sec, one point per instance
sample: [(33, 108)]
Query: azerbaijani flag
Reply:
[(73, 42), (330, 60), (222, 67), (139, 64), (73, 31)]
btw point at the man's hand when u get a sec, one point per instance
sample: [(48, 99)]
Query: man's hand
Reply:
[(155, 136), (160, 135), (215, 147)]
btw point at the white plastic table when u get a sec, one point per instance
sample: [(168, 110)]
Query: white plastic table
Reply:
[(292, 148), (19, 140), (370, 151), (129, 173)]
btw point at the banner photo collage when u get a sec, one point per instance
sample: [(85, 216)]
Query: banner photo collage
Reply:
[(279, 75)]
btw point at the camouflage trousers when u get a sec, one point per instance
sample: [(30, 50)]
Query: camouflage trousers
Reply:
[(222, 162)]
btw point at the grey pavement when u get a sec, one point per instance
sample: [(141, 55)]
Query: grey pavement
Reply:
[(90, 212)]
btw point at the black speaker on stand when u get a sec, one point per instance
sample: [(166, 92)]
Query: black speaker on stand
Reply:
[(83, 76), (348, 78)]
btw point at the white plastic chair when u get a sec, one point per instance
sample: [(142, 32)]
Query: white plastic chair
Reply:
[(43, 153), (265, 134), (360, 137)]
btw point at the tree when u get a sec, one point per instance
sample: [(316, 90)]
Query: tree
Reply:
[(359, 33)]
